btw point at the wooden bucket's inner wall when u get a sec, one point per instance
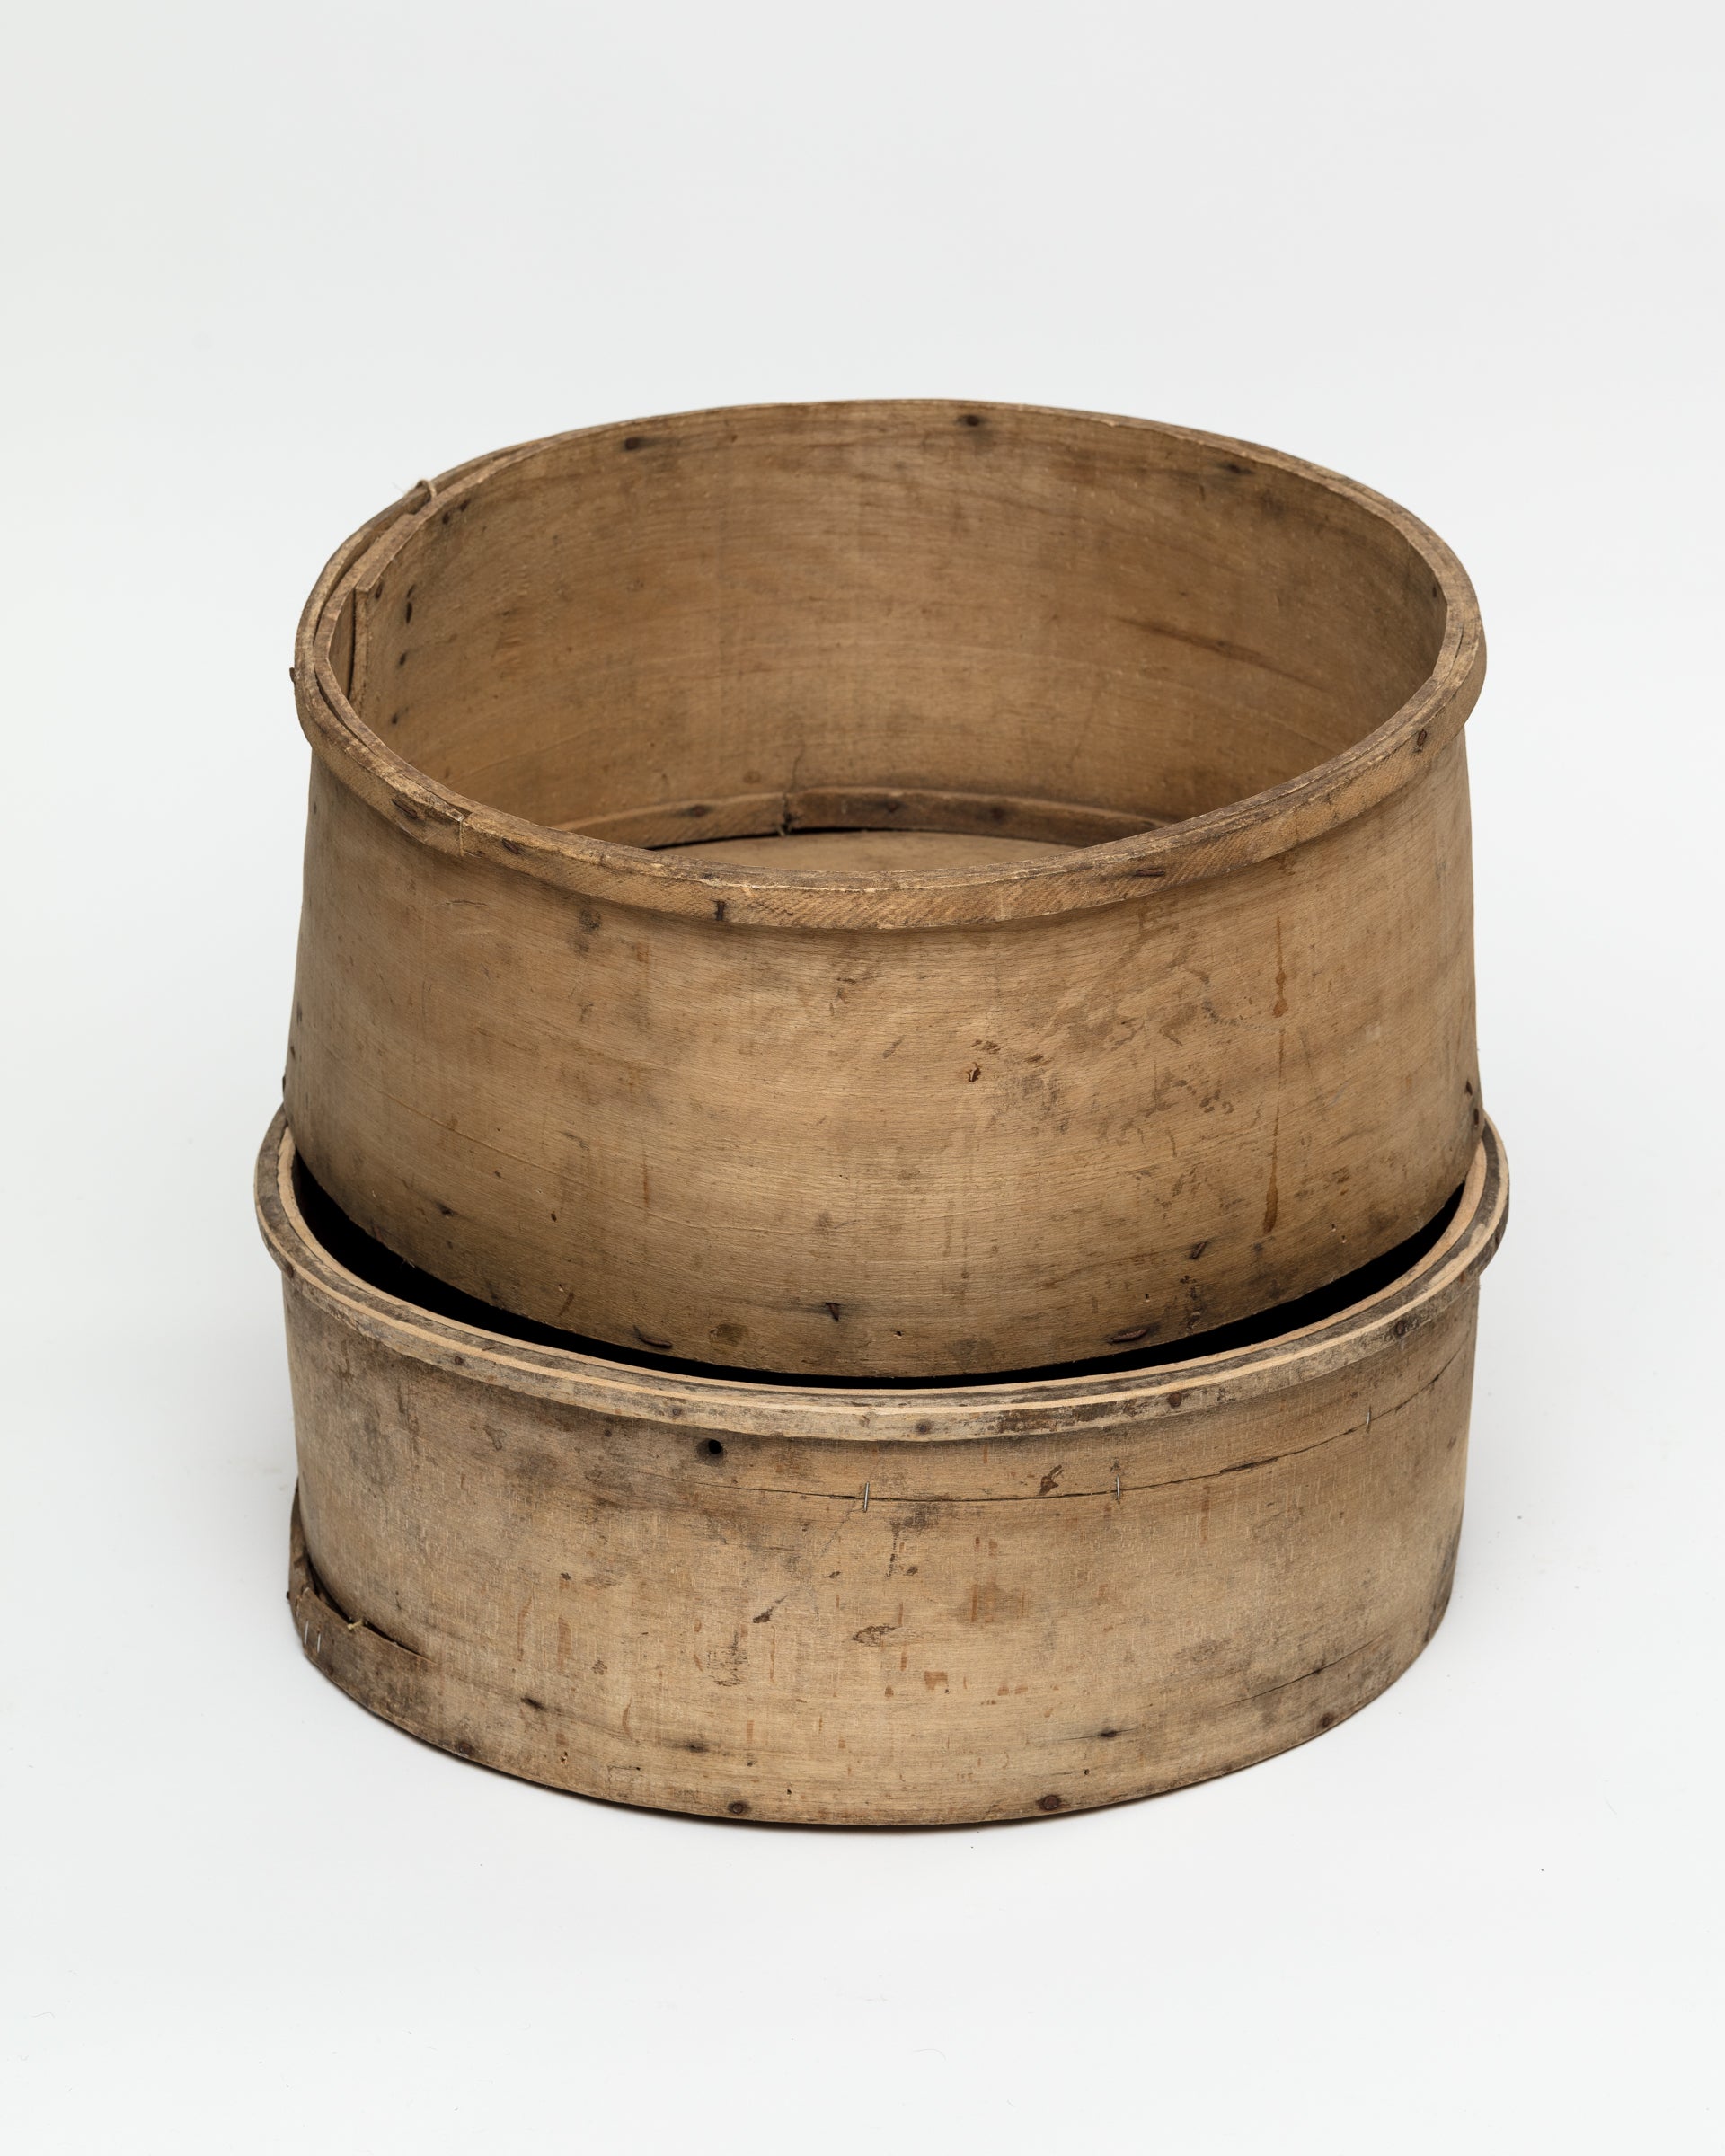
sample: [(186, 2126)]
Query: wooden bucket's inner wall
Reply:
[(668, 634)]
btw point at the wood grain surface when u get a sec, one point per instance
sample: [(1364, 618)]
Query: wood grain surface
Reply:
[(609, 1012), (861, 1605)]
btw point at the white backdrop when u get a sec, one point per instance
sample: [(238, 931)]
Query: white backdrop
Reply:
[(270, 265)]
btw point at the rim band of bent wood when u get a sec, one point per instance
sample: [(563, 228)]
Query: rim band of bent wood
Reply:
[(961, 1603), (1183, 1028)]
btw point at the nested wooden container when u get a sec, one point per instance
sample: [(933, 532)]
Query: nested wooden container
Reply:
[(887, 889), (866, 1604)]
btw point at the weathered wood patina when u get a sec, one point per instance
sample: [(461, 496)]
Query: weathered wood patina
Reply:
[(860, 1604), (887, 889)]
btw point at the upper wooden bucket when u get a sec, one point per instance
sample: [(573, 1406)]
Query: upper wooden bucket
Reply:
[(888, 889), (862, 1604)]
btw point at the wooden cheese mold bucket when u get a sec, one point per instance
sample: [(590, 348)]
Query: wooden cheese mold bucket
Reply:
[(887, 889), (860, 1606)]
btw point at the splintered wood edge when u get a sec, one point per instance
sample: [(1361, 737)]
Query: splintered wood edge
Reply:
[(1213, 843), (933, 1415)]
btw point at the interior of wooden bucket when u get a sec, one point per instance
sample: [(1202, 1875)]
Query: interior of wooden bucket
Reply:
[(887, 636)]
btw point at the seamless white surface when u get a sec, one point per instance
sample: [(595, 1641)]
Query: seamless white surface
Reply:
[(266, 266)]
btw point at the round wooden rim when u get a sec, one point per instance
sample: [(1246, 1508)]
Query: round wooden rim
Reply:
[(932, 1415), (1211, 844)]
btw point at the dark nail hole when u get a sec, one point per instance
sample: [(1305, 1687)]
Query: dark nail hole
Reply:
[(970, 418), (713, 1449), (632, 441)]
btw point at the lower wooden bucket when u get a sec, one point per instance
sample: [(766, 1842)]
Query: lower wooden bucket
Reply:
[(871, 1607)]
